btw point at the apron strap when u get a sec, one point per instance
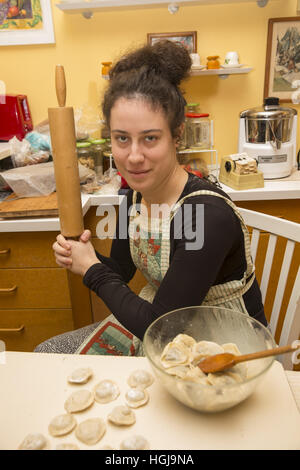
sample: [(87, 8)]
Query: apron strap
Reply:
[(250, 266)]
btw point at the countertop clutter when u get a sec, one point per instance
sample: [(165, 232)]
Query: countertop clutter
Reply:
[(269, 419), (281, 189), (4, 150)]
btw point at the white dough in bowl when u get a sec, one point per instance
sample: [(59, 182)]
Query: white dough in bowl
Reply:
[(202, 349), (175, 354), (186, 340)]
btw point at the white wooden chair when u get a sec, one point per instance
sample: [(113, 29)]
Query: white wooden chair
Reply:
[(290, 231)]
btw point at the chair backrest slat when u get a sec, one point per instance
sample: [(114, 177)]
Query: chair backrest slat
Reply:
[(267, 266), (254, 243), (285, 267)]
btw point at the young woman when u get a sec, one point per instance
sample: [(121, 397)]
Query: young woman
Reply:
[(183, 233)]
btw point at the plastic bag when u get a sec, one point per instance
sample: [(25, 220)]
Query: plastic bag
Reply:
[(38, 180), (22, 154), (29, 181), (87, 121), (39, 141), (109, 183)]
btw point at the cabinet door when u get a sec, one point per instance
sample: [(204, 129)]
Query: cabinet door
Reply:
[(27, 250), (34, 288), (23, 330)]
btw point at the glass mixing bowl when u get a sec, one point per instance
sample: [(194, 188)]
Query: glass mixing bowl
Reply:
[(219, 325)]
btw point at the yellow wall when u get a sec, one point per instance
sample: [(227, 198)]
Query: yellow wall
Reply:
[(82, 44)]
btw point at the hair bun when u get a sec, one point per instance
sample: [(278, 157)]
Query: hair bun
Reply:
[(174, 60), (165, 58)]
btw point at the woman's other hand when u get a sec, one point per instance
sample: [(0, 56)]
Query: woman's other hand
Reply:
[(77, 256), (85, 236), (62, 251)]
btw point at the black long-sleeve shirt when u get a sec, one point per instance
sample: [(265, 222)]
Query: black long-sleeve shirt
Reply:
[(191, 272)]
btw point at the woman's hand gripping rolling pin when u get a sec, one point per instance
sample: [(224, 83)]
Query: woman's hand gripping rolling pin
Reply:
[(76, 256)]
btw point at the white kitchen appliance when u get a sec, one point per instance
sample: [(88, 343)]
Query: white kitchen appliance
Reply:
[(268, 134)]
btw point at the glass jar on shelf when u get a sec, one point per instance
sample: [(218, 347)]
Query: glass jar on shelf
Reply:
[(106, 66), (85, 154), (192, 108), (198, 131), (213, 62), (183, 138), (107, 145), (108, 161), (98, 146)]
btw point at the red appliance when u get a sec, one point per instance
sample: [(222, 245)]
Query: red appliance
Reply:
[(15, 117)]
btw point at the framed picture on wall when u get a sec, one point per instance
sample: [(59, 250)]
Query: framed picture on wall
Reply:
[(24, 22), (187, 38), (282, 58)]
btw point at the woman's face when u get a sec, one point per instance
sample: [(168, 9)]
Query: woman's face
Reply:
[(143, 148)]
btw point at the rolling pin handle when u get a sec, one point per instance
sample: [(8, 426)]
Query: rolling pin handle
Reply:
[(60, 84)]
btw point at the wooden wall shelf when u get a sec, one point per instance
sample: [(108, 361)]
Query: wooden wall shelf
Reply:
[(222, 73), (88, 8)]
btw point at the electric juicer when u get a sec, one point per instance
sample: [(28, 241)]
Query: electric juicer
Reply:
[(268, 134)]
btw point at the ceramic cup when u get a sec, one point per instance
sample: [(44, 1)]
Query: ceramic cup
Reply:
[(232, 58), (195, 58)]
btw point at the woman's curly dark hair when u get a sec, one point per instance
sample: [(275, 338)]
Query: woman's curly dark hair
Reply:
[(154, 73)]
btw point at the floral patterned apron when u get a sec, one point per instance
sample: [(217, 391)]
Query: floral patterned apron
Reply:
[(150, 251)]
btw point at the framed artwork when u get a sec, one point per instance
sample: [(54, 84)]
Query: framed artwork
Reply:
[(24, 22), (283, 57), (187, 38)]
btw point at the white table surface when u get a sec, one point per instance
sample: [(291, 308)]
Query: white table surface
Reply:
[(293, 378), (34, 388)]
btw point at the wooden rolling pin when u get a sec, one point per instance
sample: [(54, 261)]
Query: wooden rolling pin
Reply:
[(63, 142)]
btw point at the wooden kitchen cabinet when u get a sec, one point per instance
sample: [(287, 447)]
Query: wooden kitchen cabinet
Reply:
[(288, 209), (38, 299), (31, 288), (27, 249), (24, 329), (35, 301)]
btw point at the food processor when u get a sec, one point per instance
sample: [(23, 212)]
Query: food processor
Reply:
[(268, 134)]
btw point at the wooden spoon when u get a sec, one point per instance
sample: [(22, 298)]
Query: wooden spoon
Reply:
[(220, 362)]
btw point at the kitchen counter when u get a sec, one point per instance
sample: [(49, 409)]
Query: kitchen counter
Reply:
[(281, 188), (34, 389), (277, 189), (284, 189), (46, 224)]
